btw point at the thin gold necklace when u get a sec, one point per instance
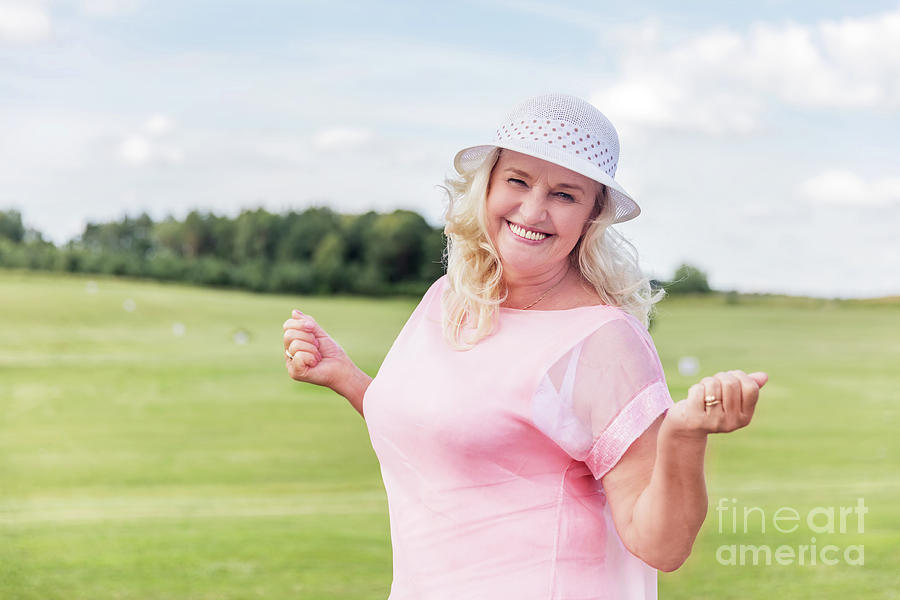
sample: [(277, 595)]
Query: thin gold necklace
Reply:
[(544, 295)]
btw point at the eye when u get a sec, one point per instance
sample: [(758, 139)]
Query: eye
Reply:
[(565, 196), (515, 181)]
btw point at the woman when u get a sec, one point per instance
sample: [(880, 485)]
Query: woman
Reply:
[(527, 440)]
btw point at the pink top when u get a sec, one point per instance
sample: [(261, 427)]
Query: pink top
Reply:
[(491, 457)]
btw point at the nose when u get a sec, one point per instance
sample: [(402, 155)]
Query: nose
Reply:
[(532, 208)]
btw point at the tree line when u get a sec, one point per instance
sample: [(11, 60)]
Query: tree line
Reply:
[(316, 251)]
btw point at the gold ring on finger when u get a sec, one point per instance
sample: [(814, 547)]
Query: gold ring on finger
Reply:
[(711, 402), (710, 397)]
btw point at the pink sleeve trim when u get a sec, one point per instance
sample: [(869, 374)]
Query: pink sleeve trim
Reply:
[(634, 418)]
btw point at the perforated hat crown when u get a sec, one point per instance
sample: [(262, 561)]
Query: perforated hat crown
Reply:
[(566, 131)]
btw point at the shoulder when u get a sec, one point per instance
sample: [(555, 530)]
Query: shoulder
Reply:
[(438, 284), (435, 289), (431, 298), (618, 336), (599, 335), (587, 296)]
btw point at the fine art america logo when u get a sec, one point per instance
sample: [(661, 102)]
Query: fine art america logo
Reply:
[(819, 521)]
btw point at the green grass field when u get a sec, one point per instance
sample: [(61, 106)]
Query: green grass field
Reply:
[(140, 464)]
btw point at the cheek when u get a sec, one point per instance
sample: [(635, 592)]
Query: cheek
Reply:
[(498, 204), (494, 216), (576, 224), (574, 231)]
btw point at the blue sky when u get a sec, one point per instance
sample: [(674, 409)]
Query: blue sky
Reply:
[(759, 138)]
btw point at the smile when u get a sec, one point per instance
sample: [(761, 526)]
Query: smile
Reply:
[(526, 234)]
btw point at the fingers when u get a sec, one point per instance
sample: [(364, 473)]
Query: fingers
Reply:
[(740, 393), (303, 323), (306, 347), (303, 329), (301, 352), (310, 324), (301, 345), (297, 334), (718, 404), (731, 393), (303, 360), (696, 409), (306, 322), (749, 391), (759, 378), (712, 391)]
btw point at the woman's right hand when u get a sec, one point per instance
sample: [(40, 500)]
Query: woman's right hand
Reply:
[(311, 355)]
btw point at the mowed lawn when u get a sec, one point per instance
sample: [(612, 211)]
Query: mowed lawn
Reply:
[(163, 453)]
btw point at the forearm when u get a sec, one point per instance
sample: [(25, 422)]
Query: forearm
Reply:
[(353, 386), (670, 510)]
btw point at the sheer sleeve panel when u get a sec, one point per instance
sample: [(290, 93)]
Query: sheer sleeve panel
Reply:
[(602, 394)]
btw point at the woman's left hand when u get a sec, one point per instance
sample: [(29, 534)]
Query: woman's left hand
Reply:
[(718, 404)]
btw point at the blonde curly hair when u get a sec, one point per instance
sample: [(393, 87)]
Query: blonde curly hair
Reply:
[(604, 258)]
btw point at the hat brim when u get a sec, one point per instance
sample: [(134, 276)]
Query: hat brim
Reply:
[(625, 206)]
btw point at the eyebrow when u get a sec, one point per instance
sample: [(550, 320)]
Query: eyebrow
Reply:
[(567, 186)]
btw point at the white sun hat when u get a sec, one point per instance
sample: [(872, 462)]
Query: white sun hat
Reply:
[(566, 131)]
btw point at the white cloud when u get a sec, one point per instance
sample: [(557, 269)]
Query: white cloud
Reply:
[(23, 22), (137, 150), (147, 147), (720, 81), (341, 138), (845, 188), (866, 45), (158, 125)]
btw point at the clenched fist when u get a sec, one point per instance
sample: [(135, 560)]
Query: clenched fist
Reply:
[(311, 354), (717, 404)]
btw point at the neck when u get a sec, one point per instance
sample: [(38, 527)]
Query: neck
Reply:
[(533, 289)]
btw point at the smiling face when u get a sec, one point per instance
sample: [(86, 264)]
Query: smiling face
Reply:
[(537, 212)]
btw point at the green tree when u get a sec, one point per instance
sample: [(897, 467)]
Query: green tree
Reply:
[(256, 235), (395, 244), (433, 245), (293, 277), (328, 264), (314, 251), (197, 237), (357, 229), (169, 237), (252, 275), (304, 232), (11, 226), (688, 280)]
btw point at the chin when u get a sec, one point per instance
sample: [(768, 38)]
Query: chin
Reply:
[(524, 264)]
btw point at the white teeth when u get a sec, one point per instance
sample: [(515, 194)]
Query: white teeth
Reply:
[(528, 235)]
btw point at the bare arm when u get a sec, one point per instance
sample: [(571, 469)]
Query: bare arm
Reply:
[(657, 491), (353, 387)]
